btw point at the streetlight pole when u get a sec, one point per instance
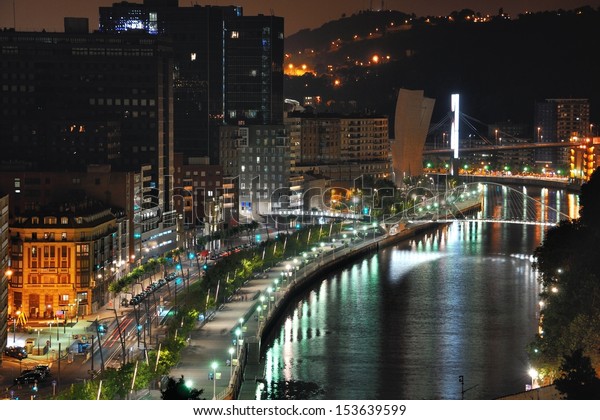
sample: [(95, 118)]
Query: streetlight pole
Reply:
[(15, 329), (269, 291), (214, 368), (231, 350), (295, 269), (238, 332)]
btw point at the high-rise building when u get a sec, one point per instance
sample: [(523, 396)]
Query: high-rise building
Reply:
[(74, 99), (254, 71), (228, 68), (259, 157), (559, 121)]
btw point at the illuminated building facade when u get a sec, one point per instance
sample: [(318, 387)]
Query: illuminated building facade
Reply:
[(259, 156), (5, 272), (583, 159), (62, 258), (411, 124), (340, 147)]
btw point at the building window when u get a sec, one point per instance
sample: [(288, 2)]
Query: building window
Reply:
[(235, 34), (63, 299)]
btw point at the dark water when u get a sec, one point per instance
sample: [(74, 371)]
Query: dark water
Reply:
[(407, 322)]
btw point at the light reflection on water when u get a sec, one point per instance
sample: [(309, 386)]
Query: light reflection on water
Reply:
[(407, 322)]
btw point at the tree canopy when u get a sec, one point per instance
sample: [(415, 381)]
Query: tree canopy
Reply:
[(179, 390), (567, 263)]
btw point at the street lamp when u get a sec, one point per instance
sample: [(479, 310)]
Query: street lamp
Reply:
[(269, 291), (214, 368), (50, 333), (15, 326), (534, 374), (238, 332), (295, 269)]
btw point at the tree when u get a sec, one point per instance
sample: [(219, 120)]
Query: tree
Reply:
[(566, 262), (179, 390), (590, 202), (578, 380)]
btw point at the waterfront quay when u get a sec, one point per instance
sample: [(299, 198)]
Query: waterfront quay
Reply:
[(228, 346)]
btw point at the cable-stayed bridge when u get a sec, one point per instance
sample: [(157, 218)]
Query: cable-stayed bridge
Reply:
[(476, 201)]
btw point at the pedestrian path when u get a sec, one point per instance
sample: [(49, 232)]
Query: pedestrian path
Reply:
[(211, 343)]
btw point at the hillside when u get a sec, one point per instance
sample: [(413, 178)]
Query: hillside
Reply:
[(500, 65)]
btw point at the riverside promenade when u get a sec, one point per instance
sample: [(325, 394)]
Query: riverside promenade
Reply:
[(212, 342), (254, 310)]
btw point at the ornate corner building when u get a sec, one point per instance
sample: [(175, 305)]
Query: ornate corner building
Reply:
[(62, 261)]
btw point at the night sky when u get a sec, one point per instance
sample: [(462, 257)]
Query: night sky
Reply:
[(35, 15)]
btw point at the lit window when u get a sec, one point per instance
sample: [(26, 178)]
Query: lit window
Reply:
[(193, 56), (235, 34)]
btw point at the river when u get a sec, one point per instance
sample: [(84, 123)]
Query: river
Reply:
[(409, 321)]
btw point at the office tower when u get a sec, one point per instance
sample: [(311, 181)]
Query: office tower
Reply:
[(74, 99), (254, 71), (258, 157), (228, 68)]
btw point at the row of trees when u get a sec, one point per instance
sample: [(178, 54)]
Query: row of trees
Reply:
[(227, 275), (568, 343)]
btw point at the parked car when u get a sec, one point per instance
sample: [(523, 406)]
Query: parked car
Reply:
[(43, 369), (29, 377), (16, 352)]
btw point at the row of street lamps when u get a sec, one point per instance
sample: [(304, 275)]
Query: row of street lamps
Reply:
[(289, 268)]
